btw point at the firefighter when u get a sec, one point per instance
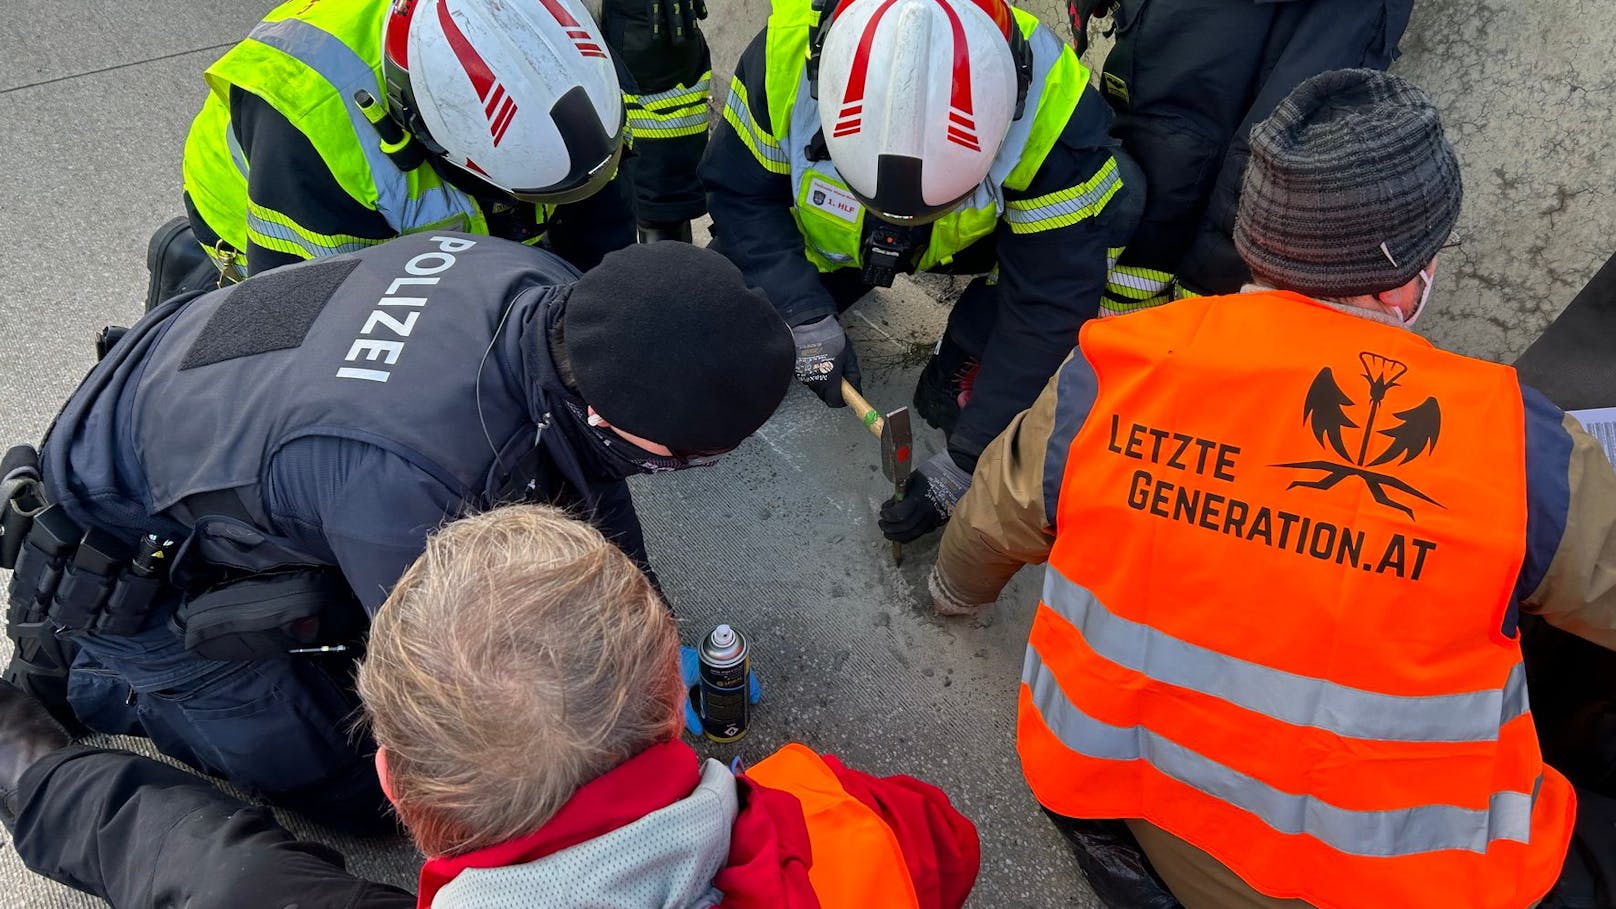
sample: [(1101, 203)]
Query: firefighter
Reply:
[(864, 139), (338, 125)]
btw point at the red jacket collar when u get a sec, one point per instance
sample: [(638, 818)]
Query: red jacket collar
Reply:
[(649, 781)]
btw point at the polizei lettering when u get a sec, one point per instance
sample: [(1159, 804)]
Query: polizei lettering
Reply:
[(387, 326), (1177, 497)]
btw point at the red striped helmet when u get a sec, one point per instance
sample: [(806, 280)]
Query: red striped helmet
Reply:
[(521, 94), (915, 98)]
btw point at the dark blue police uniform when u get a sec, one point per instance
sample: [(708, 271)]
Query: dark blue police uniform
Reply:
[(318, 420)]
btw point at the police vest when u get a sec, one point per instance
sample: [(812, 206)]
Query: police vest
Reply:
[(857, 859), (830, 218), (414, 346), (1276, 620), (307, 60)]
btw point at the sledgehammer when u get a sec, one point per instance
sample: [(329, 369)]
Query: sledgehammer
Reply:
[(897, 444)]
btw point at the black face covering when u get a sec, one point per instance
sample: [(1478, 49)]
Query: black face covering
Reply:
[(625, 459)]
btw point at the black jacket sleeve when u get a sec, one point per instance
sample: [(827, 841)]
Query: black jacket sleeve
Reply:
[(614, 514), (365, 508), (291, 192), (583, 232), (751, 203), (138, 834), (1051, 272), (662, 167)]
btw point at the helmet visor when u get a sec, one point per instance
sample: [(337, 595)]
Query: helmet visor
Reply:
[(899, 198), (577, 189), (909, 218)]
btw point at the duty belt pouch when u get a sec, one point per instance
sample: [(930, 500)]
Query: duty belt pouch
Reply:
[(41, 564), (264, 615), (88, 579), (128, 604)]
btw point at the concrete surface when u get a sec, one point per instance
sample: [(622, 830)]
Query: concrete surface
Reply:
[(780, 537)]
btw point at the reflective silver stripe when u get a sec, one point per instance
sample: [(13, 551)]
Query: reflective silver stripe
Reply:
[(1029, 212), (255, 224), (236, 154), (1123, 277), (1374, 834), (1288, 697), (702, 88), (761, 143), (347, 72), (644, 121)]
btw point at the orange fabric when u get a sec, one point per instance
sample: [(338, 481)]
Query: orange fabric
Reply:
[(857, 860), (1391, 535)]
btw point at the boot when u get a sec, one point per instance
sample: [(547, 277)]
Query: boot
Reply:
[(177, 263), (945, 386), (27, 734), (667, 230)]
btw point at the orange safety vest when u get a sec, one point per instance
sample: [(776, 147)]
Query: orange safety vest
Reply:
[(1273, 618), (857, 860)]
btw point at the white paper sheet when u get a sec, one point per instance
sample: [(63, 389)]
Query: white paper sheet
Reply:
[(1601, 424)]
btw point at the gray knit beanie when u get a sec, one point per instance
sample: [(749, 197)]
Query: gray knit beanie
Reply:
[(1352, 159)]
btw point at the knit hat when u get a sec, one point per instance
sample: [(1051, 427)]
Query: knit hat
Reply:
[(1351, 160), (667, 342)]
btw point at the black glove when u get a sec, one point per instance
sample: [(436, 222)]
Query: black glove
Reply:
[(1080, 12), (675, 20), (824, 358), (928, 500)]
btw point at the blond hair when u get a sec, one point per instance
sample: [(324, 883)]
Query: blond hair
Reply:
[(521, 656)]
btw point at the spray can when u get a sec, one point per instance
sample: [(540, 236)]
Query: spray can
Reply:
[(725, 709)]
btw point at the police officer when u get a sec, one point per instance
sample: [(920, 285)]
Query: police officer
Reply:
[(285, 445), (341, 124), (869, 138), (1188, 80)]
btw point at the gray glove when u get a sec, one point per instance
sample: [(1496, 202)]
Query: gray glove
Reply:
[(824, 358)]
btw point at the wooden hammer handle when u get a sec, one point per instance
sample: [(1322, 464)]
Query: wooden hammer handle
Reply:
[(868, 415)]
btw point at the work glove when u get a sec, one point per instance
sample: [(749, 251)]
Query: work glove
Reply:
[(690, 671), (824, 358), (1080, 12), (928, 500), (675, 20)]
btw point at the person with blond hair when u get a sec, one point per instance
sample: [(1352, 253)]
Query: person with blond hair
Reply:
[(523, 686)]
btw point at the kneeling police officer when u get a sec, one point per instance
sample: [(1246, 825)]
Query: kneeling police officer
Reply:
[(237, 484)]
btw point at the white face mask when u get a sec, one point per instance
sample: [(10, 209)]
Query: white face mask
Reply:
[(1419, 308)]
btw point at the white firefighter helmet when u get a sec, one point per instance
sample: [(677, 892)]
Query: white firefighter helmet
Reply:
[(523, 96), (915, 98)]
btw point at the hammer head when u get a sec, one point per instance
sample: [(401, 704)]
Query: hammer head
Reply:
[(897, 447)]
